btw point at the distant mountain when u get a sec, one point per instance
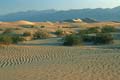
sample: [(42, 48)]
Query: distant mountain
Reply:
[(73, 20), (89, 20), (53, 15)]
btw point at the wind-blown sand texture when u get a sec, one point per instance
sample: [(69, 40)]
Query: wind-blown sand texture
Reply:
[(58, 63)]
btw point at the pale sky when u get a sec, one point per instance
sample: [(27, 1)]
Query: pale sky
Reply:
[(10, 6)]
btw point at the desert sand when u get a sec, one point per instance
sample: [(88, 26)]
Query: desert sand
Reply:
[(47, 59), (58, 63)]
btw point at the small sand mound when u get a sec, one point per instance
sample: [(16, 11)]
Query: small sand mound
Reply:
[(22, 22)]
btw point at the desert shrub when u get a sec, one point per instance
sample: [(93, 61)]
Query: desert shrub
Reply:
[(88, 38), (17, 39), (16, 28), (27, 26), (32, 26), (1, 29), (82, 32), (5, 39), (103, 38), (97, 35), (59, 32), (90, 30), (108, 29), (27, 34), (71, 40), (98, 38), (41, 34), (93, 30), (42, 26), (7, 31)]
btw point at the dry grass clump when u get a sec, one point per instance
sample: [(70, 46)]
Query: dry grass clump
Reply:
[(8, 31), (59, 32), (71, 40), (25, 34), (41, 34), (94, 35), (108, 29), (7, 39)]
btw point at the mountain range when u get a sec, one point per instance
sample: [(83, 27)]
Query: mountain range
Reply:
[(100, 14)]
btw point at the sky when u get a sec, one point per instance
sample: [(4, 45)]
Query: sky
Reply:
[(11, 6)]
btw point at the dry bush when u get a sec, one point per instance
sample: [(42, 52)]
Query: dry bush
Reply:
[(41, 34), (25, 34), (8, 31), (108, 29), (71, 40), (59, 32), (43, 26), (4, 39), (1, 29), (7, 39), (103, 38)]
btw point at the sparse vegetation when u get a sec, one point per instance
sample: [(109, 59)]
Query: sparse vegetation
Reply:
[(5, 39), (105, 29), (42, 26), (27, 26), (103, 38), (8, 31), (90, 30), (88, 38), (1, 29), (108, 29), (97, 35), (71, 40), (17, 39), (59, 32), (41, 34), (48, 57), (27, 34), (93, 30)]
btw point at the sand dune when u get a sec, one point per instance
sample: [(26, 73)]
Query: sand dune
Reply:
[(56, 24), (23, 22), (58, 63)]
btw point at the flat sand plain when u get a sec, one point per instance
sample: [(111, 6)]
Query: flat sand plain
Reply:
[(58, 63)]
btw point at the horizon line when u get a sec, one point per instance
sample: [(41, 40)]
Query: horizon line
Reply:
[(59, 9)]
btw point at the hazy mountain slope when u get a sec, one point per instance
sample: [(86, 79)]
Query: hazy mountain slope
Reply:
[(52, 15)]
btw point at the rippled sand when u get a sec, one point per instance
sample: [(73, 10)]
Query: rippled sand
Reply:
[(58, 63)]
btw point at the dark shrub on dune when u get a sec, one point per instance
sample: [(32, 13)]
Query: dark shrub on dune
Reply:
[(6, 39), (59, 32), (90, 30), (7, 31), (27, 34), (103, 38), (71, 40), (108, 29)]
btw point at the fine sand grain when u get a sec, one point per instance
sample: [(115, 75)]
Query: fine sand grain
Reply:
[(58, 63)]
